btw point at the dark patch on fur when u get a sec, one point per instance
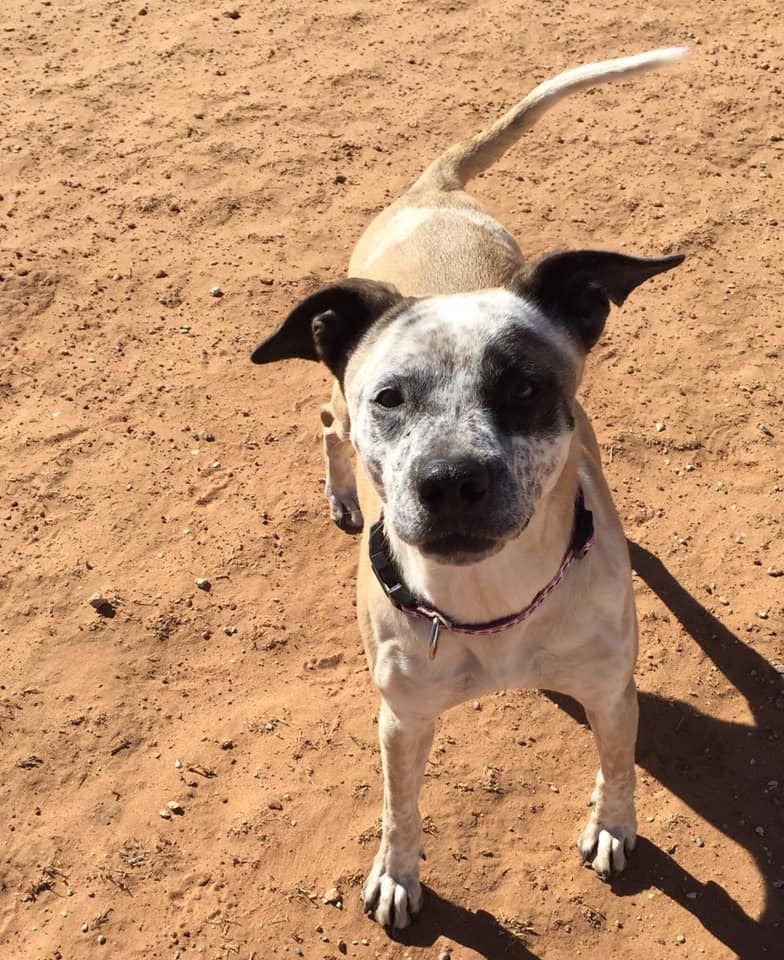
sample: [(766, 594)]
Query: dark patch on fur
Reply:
[(518, 361)]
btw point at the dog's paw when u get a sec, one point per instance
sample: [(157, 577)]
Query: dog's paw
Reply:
[(605, 847), (344, 510), (392, 901)]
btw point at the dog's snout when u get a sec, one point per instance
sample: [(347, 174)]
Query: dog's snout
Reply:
[(452, 485)]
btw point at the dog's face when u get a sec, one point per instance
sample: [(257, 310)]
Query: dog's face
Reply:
[(461, 412), (461, 406)]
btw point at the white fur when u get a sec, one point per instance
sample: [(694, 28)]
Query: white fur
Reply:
[(470, 320)]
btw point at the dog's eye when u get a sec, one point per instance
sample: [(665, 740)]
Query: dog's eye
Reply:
[(389, 398), (522, 392)]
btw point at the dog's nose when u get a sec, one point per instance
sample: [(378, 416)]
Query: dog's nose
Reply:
[(452, 485)]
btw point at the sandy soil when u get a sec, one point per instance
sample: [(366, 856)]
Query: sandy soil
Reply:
[(152, 151)]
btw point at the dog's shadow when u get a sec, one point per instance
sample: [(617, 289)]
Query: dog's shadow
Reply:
[(479, 931), (730, 774), (723, 771)]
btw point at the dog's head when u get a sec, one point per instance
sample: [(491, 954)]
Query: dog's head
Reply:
[(462, 406)]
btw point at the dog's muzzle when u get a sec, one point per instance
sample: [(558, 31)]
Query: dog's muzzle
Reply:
[(461, 521)]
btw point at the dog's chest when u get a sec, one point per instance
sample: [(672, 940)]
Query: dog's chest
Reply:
[(465, 667)]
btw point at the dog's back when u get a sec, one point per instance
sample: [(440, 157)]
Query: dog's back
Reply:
[(437, 239)]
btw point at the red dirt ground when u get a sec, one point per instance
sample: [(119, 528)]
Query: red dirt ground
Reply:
[(151, 151)]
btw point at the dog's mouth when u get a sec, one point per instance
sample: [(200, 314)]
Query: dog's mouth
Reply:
[(460, 549), (459, 543)]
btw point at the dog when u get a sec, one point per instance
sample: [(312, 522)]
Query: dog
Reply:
[(498, 559)]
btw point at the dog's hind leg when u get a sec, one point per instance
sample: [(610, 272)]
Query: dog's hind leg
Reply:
[(340, 484), (392, 892), (612, 827)]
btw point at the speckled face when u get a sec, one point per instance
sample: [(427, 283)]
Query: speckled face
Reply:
[(461, 411)]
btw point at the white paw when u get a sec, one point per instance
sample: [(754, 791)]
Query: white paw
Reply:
[(344, 510), (393, 901), (605, 847)]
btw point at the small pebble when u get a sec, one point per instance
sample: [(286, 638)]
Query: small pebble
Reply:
[(85, 928), (227, 745), (160, 274), (229, 631), (175, 807), (342, 946), (165, 814), (275, 805), (102, 606), (203, 583), (659, 426), (333, 897), (101, 939), (680, 938), (699, 841), (178, 764), (216, 292)]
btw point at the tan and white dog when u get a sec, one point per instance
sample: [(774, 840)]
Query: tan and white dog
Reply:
[(456, 370)]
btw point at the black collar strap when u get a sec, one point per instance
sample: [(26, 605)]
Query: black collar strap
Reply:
[(393, 585)]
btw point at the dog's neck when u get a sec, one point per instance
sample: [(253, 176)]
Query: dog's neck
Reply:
[(508, 580)]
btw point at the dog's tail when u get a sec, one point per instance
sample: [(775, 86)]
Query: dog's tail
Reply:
[(454, 168)]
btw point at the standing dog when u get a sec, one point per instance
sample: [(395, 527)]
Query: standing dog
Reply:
[(499, 560)]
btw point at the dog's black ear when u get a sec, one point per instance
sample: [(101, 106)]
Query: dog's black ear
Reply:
[(329, 324), (575, 287)]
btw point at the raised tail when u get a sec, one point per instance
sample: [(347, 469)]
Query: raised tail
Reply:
[(454, 168)]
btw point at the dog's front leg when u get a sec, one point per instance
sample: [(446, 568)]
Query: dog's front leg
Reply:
[(340, 486), (612, 827), (392, 892)]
